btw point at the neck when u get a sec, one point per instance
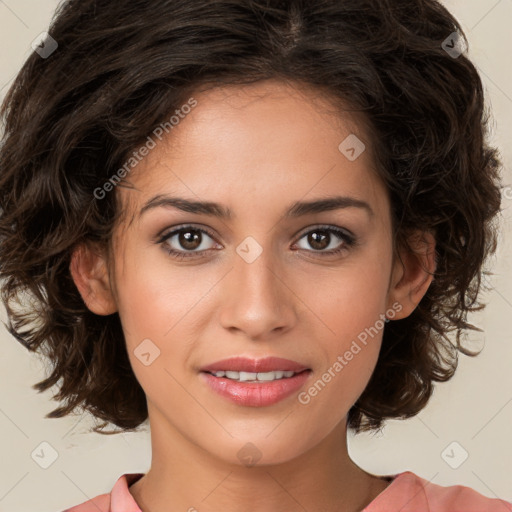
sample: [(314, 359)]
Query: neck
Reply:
[(185, 477)]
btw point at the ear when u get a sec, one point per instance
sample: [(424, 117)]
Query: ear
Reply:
[(89, 270), (412, 272)]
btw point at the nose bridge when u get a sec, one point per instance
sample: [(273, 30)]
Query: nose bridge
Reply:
[(255, 270), (257, 301)]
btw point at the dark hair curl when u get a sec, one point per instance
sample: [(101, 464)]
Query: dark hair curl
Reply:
[(121, 67)]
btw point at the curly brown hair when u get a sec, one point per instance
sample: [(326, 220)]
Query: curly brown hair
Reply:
[(73, 118)]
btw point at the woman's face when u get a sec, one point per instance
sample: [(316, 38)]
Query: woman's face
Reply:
[(265, 281)]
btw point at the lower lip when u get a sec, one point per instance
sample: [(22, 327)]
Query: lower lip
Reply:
[(256, 394)]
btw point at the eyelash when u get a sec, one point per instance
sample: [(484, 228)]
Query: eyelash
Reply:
[(349, 241)]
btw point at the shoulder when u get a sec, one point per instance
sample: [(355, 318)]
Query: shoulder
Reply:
[(460, 497), (118, 500), (409, 492), (99, 504)]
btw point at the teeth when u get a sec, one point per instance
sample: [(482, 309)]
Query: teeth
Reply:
[(254, 377)]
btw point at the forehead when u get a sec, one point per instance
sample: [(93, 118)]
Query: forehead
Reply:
[(269, 141)]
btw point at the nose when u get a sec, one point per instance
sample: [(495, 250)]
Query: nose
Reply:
[(257, 300)]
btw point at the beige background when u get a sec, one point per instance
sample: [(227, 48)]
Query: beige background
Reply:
[(474, 408)]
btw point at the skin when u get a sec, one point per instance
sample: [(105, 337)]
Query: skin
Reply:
[(255, 149)]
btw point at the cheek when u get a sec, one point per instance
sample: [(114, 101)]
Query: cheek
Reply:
[(352, 304), (353, 297), (161, 309), (350, 359), (154, 297)]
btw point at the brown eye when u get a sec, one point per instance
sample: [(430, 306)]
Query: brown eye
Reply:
[(187, 241), (318, 239), (326, 240)]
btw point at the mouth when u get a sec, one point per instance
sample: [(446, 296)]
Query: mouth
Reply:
[(252, 377), (243, 365), (255, 382)]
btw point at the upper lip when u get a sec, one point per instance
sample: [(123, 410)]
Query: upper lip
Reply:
[(245, 364)]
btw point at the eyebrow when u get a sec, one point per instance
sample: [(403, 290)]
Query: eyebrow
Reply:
[(297, 209)]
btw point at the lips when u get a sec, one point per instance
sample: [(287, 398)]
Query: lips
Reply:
[(256, 394), (244, 364)]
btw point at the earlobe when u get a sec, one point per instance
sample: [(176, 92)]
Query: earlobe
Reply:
[(413, 272), (88, 269)]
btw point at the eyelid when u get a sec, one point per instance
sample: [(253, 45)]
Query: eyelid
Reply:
[(348, 241), (169, 232), (160, 238), (326, 227)]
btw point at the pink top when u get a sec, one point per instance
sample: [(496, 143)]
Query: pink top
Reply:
[(406, 493)]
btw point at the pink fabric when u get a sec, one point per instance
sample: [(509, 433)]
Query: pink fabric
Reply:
[(406, 493), (410, 493)]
